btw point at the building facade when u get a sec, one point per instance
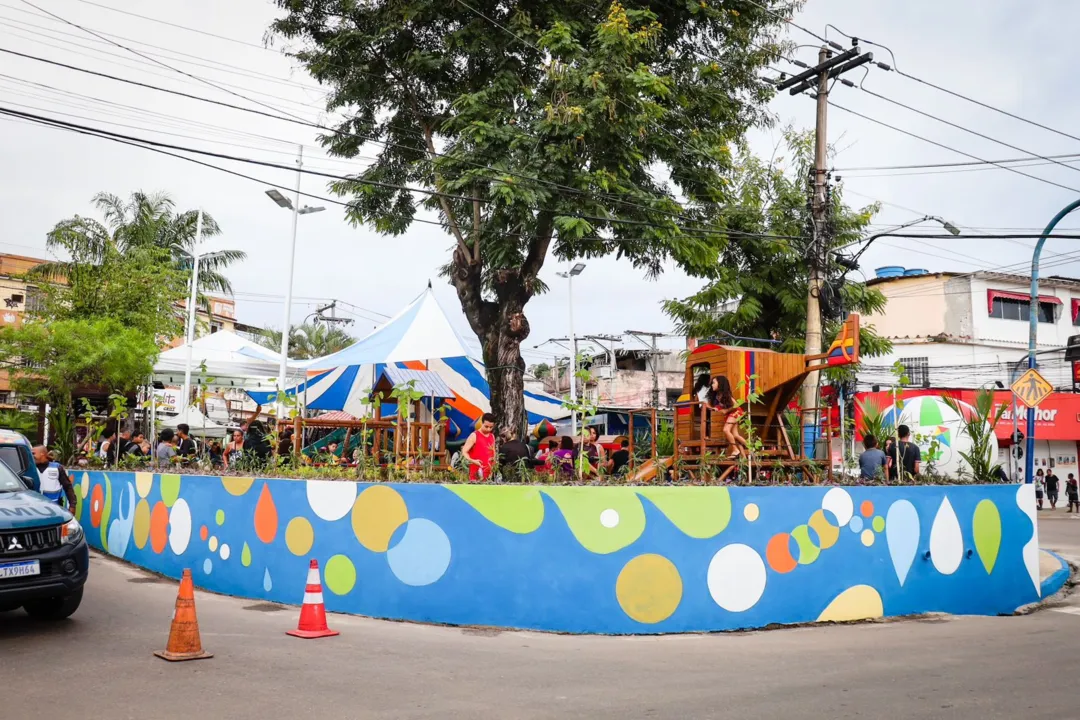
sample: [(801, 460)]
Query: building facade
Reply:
[(969, 330)]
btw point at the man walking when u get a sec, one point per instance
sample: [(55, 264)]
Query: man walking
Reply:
[(55, 483), (1053, 485)]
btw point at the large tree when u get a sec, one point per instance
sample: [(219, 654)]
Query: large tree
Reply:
[(759, 287), (144, 224), (538, 128)]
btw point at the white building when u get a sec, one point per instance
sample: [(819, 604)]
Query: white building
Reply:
[(968, 330)]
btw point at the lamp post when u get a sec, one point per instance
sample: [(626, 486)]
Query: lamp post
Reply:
[(297, 211), (570, 275), (1033, 330), (949, 227)]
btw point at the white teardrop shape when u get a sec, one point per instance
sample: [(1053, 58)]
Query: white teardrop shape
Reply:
[(902, 534), (946, 540), (1025, 500)]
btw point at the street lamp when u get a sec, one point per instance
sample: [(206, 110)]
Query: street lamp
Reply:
[(853, 262), (570, 275), (297, 211), (1033, 329)]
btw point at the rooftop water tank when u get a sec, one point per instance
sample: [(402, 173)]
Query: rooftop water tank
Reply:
[(915, 271), (890, 271)]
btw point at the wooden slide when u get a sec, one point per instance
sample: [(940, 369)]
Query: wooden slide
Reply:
[(647, 470)]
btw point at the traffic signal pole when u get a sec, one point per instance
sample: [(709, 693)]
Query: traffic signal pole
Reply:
[(1033, 331)]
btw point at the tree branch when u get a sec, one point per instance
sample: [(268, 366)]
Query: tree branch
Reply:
[(538, 248), (463, 248), (476, 223)]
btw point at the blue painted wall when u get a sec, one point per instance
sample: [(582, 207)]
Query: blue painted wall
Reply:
[(580, 559)]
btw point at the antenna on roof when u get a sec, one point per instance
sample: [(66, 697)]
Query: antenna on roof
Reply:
[(429, 284)]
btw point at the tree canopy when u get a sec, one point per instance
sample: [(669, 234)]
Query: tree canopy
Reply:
[(535, 129), (759, 287), (310, 340)]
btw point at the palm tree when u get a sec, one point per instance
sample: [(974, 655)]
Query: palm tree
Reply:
[(310, 340), (140, 223)]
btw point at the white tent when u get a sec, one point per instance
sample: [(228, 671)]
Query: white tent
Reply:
[(198, 424), (223, 359)]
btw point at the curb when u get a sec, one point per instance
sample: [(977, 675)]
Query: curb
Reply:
[(1053, 584)]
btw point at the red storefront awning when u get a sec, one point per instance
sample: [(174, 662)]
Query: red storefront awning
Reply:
[(992, 295)]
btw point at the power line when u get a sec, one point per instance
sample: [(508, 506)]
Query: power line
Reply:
[(952, 149), (968, 130), (921, 166)]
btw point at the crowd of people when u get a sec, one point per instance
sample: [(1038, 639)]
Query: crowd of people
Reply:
[(510, 458)]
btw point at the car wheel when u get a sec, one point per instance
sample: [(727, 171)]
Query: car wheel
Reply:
[(55, 608)]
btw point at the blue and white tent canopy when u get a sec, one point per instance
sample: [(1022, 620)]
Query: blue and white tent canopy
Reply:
[(420, 337)]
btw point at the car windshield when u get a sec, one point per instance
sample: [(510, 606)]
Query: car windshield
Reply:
[(9, 481)]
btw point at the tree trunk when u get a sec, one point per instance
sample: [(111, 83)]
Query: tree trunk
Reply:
[(505, 375)]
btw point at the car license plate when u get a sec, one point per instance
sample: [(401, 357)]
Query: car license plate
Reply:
[(20, 569)]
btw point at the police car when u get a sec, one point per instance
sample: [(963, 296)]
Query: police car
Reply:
[(43, 554)]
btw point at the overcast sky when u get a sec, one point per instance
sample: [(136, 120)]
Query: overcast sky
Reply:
[(1008, 54)]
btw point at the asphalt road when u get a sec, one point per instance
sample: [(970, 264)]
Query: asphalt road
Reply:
[(100, 664)]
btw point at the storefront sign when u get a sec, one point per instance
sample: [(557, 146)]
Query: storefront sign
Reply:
[(167, 400)]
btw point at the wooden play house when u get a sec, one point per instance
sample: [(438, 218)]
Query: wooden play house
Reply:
[(764, 383)]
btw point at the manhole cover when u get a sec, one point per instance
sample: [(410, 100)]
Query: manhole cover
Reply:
[(140, 580), (265, 607)]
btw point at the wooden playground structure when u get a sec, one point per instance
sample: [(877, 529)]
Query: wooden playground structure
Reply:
[(764, 383)]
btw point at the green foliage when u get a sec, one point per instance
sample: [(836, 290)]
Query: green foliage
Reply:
[(307, 341), (62, 428), (59, 356), (18, 421), (665, 439), (979, 427), (537, 130), (759, 286), (874, 421)]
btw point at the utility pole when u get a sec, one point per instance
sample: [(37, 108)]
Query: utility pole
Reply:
[(653, 355), (828, 65)]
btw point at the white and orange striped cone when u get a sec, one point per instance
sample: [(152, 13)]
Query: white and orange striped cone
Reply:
[(313, 612)]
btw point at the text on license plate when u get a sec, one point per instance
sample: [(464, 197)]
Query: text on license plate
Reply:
[(20, 569)]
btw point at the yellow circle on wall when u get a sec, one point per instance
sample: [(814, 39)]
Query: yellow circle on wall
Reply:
[(649, 588), (751, 512), (142, 523), (376, 514), (867, 537), (299, 536)]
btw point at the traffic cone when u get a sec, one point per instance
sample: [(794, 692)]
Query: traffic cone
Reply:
[(313, 612), (184, 641)]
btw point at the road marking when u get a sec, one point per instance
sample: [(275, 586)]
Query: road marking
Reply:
[(1071, 610)]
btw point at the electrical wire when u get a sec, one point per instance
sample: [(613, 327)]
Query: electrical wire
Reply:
[(952, 149), (968, 130)]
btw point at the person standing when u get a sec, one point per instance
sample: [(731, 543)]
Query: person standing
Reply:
[(1053, 485), (166, 449), (234, 450), (907, 453), (1040, 488), (872, 463), (1072, 493), (55, 483), (479, 449), (185, 445)]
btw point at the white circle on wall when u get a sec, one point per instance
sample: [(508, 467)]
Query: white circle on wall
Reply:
[(736, 577), (609, 518), (331, 500), (179, 526), (225, 552), (838, 502)]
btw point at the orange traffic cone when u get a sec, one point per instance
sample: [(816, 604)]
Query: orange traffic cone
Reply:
[(184, 641), (313, 612)]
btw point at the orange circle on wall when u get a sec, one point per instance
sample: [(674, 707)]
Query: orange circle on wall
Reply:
[(97, 505), (203, 533), (159, 527), (778, 553), (867, 508)]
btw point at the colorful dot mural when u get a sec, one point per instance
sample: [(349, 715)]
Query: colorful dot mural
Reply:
[(580, 559)]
